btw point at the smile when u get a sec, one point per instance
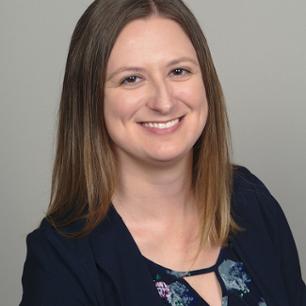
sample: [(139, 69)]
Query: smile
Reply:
[(162, 128), (163, 125)]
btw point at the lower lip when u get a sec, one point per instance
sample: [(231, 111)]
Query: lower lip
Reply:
[(164, 131)]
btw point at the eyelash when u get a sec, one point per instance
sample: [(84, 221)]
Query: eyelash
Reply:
[(122, 82)]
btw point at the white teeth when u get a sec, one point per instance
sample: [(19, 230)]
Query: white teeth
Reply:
[(161, 125)]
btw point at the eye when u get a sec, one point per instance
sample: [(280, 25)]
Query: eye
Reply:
[(129, 80), (181, 71)]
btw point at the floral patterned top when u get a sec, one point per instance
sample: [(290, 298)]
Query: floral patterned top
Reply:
[(237, 287)]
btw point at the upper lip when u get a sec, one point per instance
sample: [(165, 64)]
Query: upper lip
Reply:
[(161, 121)]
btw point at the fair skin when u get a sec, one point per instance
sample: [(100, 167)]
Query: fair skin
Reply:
[(154, 160)]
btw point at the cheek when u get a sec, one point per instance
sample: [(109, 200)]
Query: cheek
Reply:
[(115, 111), (119, 106), (194, 96)]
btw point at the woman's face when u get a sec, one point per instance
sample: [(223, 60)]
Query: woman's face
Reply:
[(154, 100)]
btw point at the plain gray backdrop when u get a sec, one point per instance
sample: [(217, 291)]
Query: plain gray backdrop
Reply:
[(259, 50)]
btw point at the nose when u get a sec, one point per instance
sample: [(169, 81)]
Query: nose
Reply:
[(161, 99)]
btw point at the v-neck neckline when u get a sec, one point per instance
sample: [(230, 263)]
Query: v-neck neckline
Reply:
[(241, 242)]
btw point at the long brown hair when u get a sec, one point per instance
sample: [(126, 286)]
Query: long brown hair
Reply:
[(84, 173)]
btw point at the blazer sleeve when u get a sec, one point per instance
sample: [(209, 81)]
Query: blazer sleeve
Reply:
[(46, 281), (284, 243)]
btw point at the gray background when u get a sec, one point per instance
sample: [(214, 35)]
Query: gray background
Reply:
[(259, 50)]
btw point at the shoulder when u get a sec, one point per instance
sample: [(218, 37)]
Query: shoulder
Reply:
[(260, 214), (244, 180), (254, 206), (255, 209), (54, 269), (45, 236), (57, 253), (250, 192)]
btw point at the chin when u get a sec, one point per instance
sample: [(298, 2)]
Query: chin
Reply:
[(167, 158)]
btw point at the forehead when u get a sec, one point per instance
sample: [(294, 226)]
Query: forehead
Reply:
[(153, 39)]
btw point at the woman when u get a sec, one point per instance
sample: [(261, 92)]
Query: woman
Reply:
[(146, 206)]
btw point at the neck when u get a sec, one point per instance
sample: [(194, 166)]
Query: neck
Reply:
[(158, 194)]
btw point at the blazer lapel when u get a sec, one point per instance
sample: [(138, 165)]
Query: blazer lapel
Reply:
[(117, 254)]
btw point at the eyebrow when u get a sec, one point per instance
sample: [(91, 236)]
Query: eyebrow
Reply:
[(139, 69)]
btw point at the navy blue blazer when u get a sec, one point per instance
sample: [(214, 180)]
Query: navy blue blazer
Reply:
[(106, 267)]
